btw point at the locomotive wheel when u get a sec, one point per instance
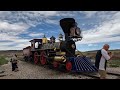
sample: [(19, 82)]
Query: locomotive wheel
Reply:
[(36, 58), (55, 64), (43, 59), (68, 66)]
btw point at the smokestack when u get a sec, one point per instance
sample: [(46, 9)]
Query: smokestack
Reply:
[(66, 24)]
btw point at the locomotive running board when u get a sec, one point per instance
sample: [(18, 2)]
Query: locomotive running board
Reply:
[(83, 64)]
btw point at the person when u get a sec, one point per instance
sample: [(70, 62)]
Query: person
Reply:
[(101, 59), (14, 62)]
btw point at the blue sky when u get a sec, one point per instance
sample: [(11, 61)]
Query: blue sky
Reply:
[(17, 28)]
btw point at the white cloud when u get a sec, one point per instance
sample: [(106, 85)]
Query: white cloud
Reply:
[(36, 34), (10, 31), (13, 29), (47, 13), (14, 43), (52, 21), (4, 14), (31, 18), (38, 13), (17, 46), (90, 45), (89, 14), (5, 43), (13, 23), (107, 31)]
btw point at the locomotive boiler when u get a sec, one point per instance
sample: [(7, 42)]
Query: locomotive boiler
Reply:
[(60, 53)]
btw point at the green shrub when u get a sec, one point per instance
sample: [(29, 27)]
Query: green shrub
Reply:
[(3, 60), (114, 63)]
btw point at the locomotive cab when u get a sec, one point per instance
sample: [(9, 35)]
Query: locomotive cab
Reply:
[(35, 44)]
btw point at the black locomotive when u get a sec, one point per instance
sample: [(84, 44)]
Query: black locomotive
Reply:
[(60, 53)]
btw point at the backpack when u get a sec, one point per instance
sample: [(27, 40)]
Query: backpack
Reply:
[(97, 59)]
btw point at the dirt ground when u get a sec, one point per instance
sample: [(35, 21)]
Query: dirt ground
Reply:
[(31, 71)]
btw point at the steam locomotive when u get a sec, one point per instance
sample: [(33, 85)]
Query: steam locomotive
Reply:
[(60, 53)]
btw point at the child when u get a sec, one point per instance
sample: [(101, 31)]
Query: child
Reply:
[(14, 63)]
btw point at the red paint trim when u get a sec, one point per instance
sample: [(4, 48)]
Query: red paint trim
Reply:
[(68, 66), (55, 64), (43, 60), (35, 58)]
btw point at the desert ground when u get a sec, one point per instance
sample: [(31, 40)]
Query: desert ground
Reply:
[(29, 70)]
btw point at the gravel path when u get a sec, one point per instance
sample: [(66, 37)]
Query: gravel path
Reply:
[(31, 71), (114, 70)]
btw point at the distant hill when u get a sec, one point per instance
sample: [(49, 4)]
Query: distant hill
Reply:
[(8, 52), (109, 50), (92, 54), (21, 50)]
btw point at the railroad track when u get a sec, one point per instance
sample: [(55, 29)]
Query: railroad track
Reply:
[(95, 76), (80, 74), (115, 74)]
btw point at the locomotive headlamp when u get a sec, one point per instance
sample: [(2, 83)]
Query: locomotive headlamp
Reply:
[(78, 32), (73, 46), (75, 31)]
